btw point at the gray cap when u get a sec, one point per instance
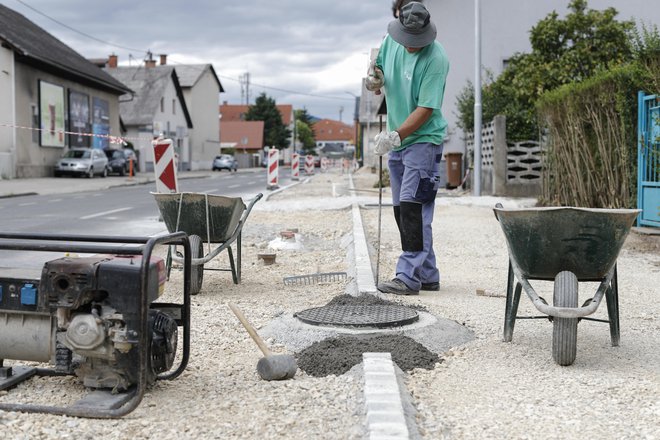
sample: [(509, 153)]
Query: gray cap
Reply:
[(414, 27)]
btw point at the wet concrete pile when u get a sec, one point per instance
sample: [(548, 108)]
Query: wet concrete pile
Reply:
[(340, 354), (337, 355)]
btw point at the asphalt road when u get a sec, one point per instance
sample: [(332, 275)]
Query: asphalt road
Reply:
[(124, 211)]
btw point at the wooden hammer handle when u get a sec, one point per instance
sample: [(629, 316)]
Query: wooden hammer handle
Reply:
[(253, 333)]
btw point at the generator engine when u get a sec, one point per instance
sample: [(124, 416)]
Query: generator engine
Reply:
[(83, 316)]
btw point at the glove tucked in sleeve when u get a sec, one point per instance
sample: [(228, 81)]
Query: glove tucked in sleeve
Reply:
[(386, 141)]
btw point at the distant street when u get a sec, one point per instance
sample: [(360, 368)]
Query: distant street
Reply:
[(125, 210)]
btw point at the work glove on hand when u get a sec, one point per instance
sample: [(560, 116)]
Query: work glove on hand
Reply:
[(385, 141), (375, 79)]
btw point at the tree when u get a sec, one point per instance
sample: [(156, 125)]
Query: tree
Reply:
[(304, 130), (275, 132), (306, 136), (565, 50)]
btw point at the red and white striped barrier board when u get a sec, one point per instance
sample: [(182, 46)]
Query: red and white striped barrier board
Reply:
[(164, 167), (273, 159), (295, 166), (324, 164), (309, 164)]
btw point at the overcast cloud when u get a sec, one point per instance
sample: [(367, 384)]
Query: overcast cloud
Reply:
[(317, 47)]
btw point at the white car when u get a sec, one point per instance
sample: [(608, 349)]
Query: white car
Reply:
[(82, 162)]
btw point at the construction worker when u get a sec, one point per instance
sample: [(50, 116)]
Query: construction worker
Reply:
[(412, 67)]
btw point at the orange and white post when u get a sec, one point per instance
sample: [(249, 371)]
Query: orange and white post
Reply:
[(295, 166), (309, 164), (273, 173), (164, 168)]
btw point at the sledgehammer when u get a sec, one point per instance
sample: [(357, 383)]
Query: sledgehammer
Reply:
[(270, 367)]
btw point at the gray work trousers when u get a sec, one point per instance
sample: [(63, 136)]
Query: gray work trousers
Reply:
[(413, 179)]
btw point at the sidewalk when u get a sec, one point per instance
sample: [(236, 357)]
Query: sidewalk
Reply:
[(61, 185)]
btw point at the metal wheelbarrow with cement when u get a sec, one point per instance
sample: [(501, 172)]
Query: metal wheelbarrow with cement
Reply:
[(566, 245), (206, 218)]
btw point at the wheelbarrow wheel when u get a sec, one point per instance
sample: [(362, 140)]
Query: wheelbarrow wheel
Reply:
[(196, 270), (564, 330)]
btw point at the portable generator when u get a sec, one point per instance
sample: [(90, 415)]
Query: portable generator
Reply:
[(95, 317)]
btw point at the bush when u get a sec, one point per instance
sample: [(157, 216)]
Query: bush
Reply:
[(592, 139)]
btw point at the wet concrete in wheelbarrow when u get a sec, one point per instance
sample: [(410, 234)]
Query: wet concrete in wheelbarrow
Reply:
[(323, 350)]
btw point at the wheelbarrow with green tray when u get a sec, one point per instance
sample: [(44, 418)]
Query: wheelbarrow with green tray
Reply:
[(566, 245), (206, 218)]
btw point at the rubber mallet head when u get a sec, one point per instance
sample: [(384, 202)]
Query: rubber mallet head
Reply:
[(277, 367)]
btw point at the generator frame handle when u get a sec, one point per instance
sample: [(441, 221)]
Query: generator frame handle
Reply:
[(39, 242)]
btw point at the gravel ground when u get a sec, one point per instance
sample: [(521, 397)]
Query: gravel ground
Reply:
[(484, 389), (491, 389)]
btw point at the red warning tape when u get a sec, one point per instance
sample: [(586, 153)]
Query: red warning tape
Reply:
[(112, 139)]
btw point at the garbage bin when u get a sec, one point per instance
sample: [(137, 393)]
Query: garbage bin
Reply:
[(454, 169)]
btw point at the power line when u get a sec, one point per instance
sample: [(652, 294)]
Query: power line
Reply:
[(77, 31), (292, 92)]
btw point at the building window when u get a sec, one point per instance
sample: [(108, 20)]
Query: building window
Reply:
[(162, 105), (174, 106)]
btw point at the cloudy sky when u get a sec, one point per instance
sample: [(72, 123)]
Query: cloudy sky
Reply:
[(308, 53)]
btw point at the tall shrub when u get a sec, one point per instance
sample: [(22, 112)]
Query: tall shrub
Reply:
[(592, 136)]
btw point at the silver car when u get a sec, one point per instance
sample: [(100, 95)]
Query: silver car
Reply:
[(82, 162), (225, 162)]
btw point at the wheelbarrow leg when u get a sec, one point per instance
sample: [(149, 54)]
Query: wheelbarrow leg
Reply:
[(612, 298), (232, 264), (512, 301), (168, 261), (238, 258)]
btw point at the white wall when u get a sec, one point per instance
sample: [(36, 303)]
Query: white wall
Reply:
[(505, 26), (177, 126), (202, 102), (7, 134)]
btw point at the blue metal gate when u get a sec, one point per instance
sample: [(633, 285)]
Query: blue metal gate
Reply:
[(648, 160)]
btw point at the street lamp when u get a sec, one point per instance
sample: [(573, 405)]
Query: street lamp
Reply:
[(477, 98)]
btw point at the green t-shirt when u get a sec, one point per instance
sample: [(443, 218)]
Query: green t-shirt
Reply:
[(414, 80)]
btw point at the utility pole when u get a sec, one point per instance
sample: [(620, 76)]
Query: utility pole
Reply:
[(477, 98), (341, 110), (244, 80), (247, 88)]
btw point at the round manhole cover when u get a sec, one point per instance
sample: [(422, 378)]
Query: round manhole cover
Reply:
[(378, 316)]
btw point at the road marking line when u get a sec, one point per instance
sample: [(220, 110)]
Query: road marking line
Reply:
[(27, 204), (233, 186), (105, 213), (54, 200)]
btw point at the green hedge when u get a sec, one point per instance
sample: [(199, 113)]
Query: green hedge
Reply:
[(591, 126)]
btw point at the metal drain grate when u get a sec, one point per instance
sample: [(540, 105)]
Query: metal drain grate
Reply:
[(315, 278), (378, 316)]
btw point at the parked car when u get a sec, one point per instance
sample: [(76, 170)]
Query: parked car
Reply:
[(82, 162), (119, 161), (225, 162)]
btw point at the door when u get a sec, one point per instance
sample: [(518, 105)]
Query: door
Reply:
[(648, 160)]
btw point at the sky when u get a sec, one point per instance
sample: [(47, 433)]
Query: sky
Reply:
[(308, 53)]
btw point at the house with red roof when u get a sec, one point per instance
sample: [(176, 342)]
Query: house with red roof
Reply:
[(235, 113), (246, 138)]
